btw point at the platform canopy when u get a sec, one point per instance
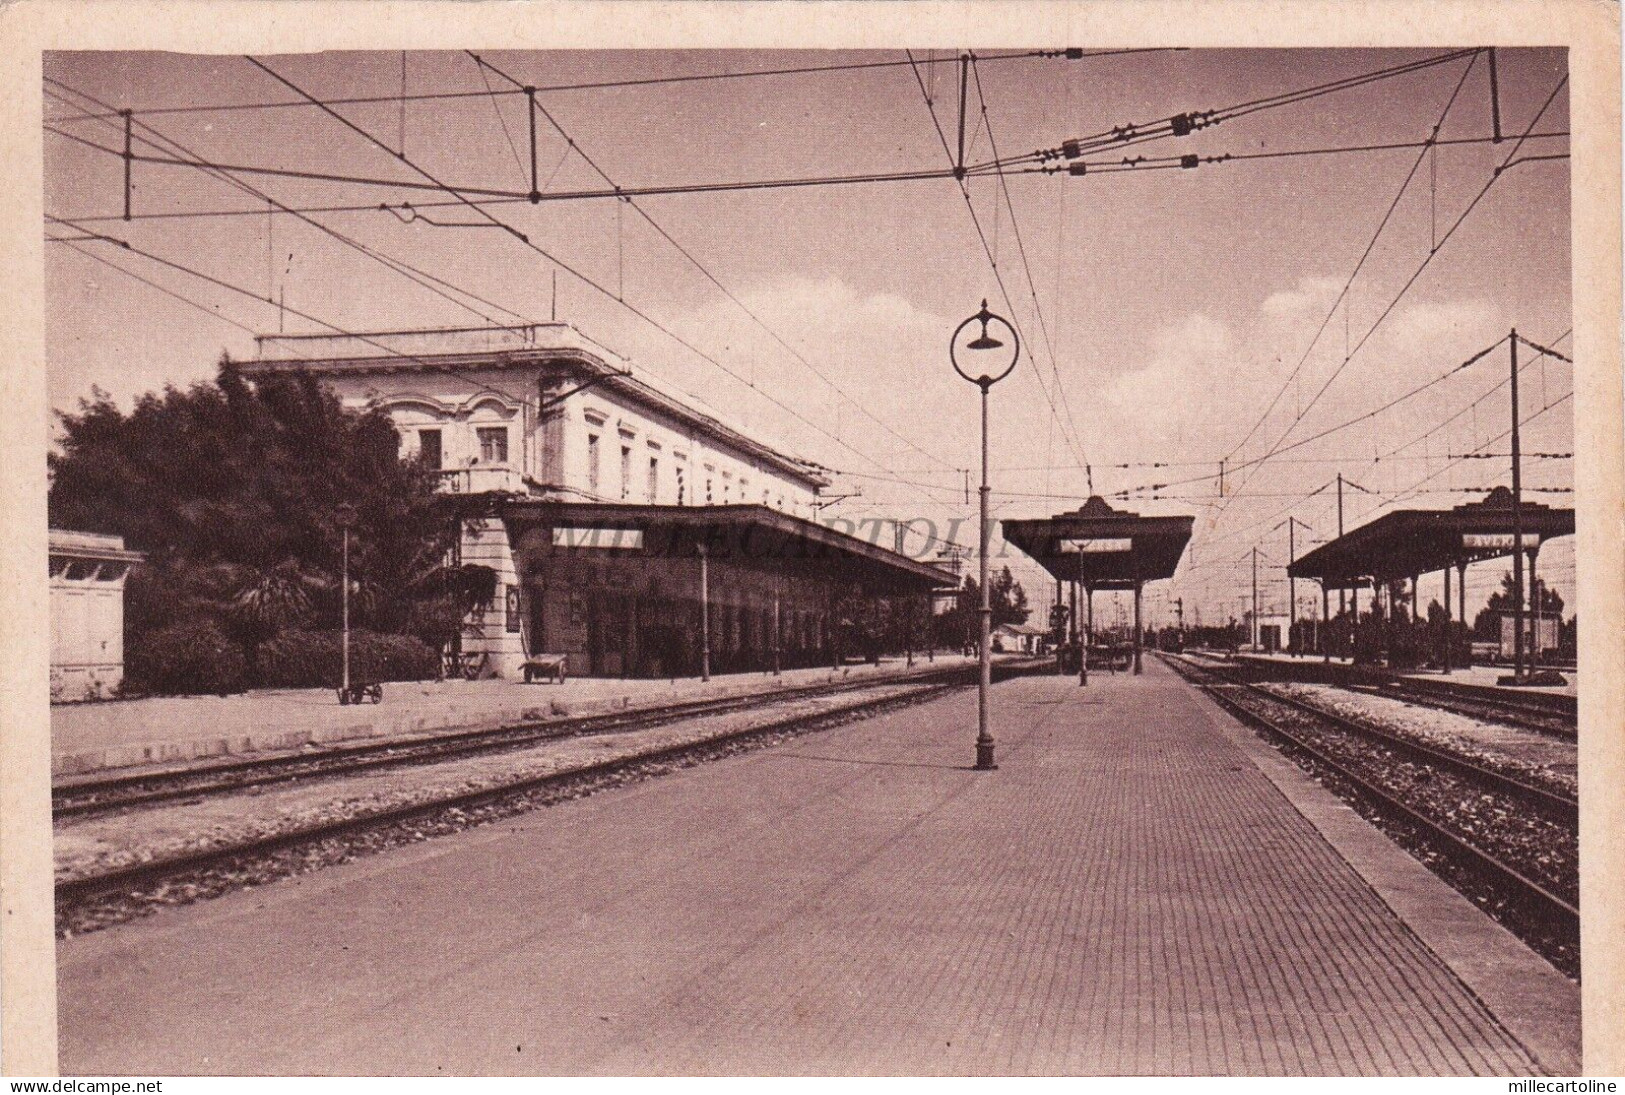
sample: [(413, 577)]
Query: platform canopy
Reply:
[(1405, 543), (742, 534), (1101, 547)]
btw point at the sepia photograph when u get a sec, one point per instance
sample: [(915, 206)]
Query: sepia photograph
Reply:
[(1050, 558)]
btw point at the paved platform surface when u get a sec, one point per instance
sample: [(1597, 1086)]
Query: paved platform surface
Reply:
[(1479, 676), (95, 737), (1141, 888)]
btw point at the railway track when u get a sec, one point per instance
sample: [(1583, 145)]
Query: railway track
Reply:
[(85, 798), (1541, 718), (1491, 867), (121, 893), (1541, 712)]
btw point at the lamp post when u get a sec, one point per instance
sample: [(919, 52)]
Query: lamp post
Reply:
[(345, 515), (981, 344)]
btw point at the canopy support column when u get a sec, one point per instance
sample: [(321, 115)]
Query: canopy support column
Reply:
[(1138, 630), (1533, 653), (1450, 640), (778, 626), (1325, 619)]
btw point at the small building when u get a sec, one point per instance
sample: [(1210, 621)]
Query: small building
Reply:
[(1023, 638), (87, 573), (629, 530)]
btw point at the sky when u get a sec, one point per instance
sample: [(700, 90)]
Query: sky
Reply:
[(1170, 319)]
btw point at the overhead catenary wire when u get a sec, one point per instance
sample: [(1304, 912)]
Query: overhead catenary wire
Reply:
[(1426, 260), (438, 286), (958, 175), (1359, 265), (1395, 300), (399, 266), (561, 264), (596, 85), (1032, 285), (694, 261)]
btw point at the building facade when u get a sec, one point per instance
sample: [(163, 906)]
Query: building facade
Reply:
[(599, 498), (87, 573)]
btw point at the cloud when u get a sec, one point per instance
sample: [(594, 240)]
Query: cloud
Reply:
[(852, 365)]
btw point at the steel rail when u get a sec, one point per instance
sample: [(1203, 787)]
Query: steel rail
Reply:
[(1565, 805), (91, 797), (1537, 717), (1552, 909), (135, 878)]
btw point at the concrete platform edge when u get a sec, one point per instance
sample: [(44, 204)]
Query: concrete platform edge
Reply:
[(1534, 1002), (150, 754)]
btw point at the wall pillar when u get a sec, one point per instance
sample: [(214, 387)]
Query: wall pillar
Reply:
[(705, 614)]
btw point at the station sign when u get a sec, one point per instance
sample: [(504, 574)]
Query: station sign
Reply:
[(1498, 541), (1098, 546), (625, 539)]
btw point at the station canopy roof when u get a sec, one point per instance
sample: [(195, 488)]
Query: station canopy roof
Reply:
[(744, 534), (1408, 542), (1102, 547)]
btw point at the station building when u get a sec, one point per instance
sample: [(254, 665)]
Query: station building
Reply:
[(629, 530)]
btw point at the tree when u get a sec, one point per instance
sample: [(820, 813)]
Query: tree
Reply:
[(1008, 599), (231, 487), (959, 627), (1487, 624)]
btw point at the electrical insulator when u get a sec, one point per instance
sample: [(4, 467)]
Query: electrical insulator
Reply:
[(1077, 169), (1183, 124), (1071, 149), (1188, 160)]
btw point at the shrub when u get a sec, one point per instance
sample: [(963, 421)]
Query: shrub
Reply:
[(314, 659), (187, 659)]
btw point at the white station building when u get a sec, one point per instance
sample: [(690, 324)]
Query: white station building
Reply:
[(629, 530)]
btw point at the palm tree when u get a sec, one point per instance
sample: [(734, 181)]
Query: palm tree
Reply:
[(266, 604)]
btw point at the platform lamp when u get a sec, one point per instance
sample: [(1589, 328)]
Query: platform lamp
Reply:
[(344, 514), (984, 344)]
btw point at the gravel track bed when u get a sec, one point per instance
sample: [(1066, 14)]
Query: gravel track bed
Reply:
[(1551, 941), (1536, 846), (95, 845), (1542, 937), (1526, 754)]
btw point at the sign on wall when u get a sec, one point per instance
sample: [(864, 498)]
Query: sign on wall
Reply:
[(1498, 541), (625, 539), (1098, 546)]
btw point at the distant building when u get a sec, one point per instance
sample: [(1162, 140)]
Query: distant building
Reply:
[(622, 521), (87, 572), (1021, 639)]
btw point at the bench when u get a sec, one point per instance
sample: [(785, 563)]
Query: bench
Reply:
[(552, 666)]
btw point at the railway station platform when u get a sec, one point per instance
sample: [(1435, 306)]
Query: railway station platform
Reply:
[(174, 730), (1477, 678), (1142, 887)]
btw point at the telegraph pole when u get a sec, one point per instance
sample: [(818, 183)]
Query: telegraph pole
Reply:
[(1517, 524), (1254, 629), (1291, 587), (1342, 604)]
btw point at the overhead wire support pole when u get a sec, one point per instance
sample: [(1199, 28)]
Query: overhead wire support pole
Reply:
[(1253, 631), (530, 112), (1292, 585), (129, 158), (1495, 99), (964, 89), (1517, 525)]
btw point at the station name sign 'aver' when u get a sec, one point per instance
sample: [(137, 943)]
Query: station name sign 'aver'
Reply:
[(1098, 546), (1498, 541)]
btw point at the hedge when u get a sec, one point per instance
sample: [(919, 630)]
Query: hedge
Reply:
[(188, 659), (314, 659)]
